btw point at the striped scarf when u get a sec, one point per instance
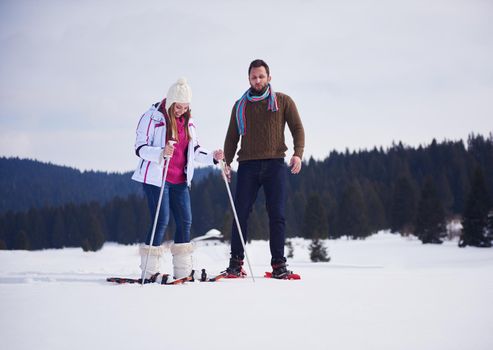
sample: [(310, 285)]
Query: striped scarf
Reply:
[(241, 105)]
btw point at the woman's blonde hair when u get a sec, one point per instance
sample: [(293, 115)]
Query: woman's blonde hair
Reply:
[(171, 128)]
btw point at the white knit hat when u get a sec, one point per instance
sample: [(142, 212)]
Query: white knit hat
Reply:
[(179, 92)]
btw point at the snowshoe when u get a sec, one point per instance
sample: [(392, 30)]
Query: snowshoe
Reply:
[(156, 278), (235, 269), (280, 271), (194, 276)]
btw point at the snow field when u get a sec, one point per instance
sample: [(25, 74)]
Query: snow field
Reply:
[(387, 292)]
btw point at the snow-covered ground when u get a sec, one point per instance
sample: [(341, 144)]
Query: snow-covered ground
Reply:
[(386, 292)]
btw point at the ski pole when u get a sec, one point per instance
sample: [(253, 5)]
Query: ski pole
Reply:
[(223, 167), (167, 158)]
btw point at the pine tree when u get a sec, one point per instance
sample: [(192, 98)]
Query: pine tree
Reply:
[(375, 209), (143, 218), (295, 205), (38, 230), (289, 246), (315, 222), (318, 252), (126, 224), (481, 149), (3, 236), (489, 226), (227, 225), (255, 230), (430, 220), (475, 215), (20, 232), (316, 227), (259, 220), (352, 219), (73, 234), (21, 241), (86, 246), (202, 208), (444, 190), (95, 236), (403, 210), (330, 208), (58, 230)]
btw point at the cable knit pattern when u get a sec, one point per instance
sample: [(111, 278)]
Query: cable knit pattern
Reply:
[(265, 131)]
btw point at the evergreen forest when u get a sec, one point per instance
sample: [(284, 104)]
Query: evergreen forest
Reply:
[(409, 190)]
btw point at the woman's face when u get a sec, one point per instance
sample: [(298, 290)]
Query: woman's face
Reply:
[(180, 109)]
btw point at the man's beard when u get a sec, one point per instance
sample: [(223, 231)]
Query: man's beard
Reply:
[(259, 92)]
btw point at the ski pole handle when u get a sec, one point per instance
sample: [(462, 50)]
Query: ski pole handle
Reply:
[(171, 143), (223, 170)]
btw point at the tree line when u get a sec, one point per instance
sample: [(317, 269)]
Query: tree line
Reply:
[(411, 190), (26, 184)]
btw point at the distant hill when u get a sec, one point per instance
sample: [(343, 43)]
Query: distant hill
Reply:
[(26, 183)]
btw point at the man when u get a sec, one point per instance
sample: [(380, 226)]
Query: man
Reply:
[(259, 117)]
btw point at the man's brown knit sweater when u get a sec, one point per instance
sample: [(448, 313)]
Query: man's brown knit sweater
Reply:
[(264, 131)]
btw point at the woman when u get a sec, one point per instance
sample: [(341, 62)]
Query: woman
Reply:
[(169, 120)]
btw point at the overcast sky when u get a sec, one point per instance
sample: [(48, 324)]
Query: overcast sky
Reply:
[(75, 76)]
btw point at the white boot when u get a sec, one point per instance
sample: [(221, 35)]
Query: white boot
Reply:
[(182, 259), (154, 262)]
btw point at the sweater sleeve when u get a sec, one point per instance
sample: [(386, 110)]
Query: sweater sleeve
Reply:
[(232, 138), (295, 126)]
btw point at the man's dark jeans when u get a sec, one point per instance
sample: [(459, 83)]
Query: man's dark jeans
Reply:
[(272, 175)]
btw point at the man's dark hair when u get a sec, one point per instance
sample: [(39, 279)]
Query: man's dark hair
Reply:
[(259, 63)]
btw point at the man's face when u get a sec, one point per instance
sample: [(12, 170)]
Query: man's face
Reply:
[(258, 78)]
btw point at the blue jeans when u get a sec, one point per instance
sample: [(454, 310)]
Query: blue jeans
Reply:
[(175, 198), (272, 175)]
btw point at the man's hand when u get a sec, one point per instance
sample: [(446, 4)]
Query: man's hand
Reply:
[(295, 164), (227, 172)]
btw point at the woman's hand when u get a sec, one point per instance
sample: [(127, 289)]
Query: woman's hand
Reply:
[(218, 155), (168, 150)]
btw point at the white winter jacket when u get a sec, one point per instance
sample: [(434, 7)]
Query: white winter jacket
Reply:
[(149, 145)]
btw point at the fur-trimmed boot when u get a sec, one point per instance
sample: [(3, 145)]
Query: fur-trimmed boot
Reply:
[(182, 259), (154, 262)]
